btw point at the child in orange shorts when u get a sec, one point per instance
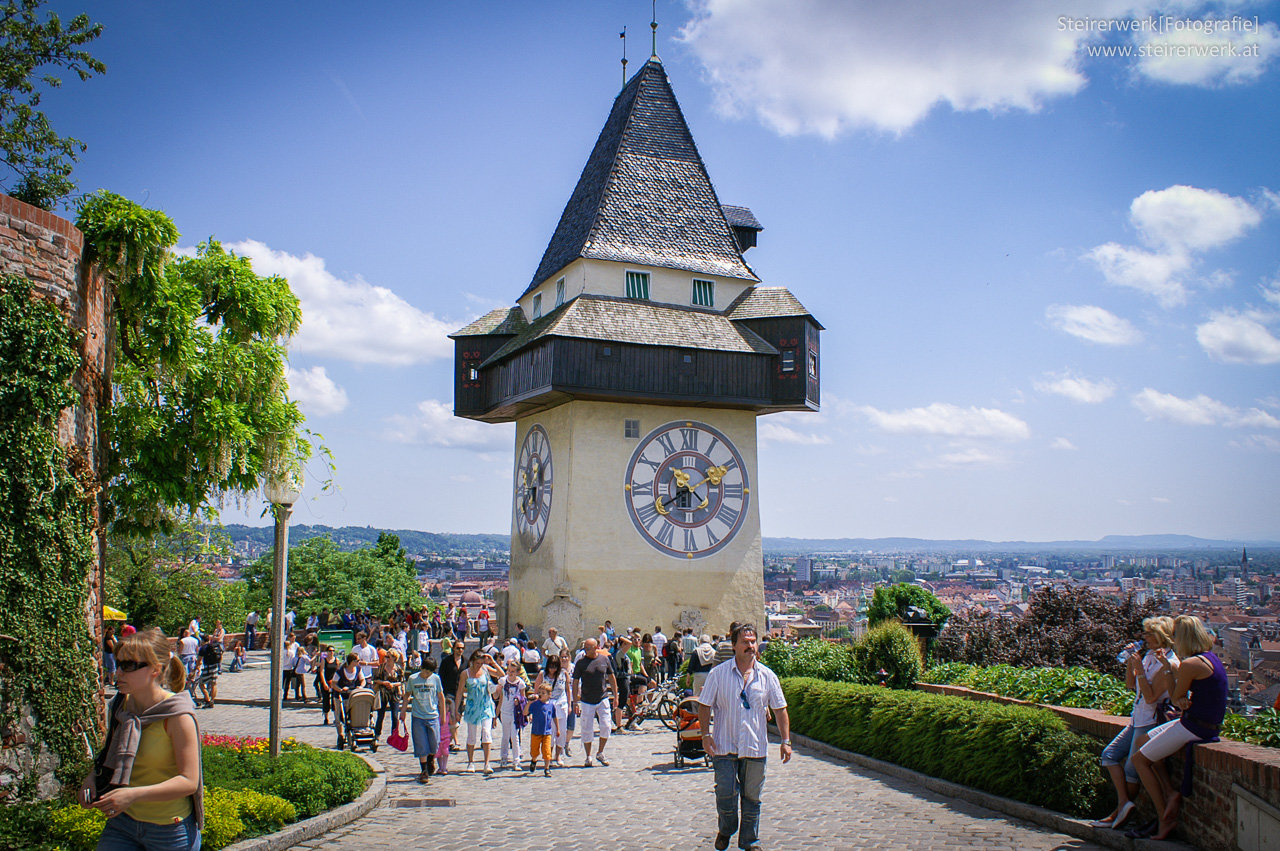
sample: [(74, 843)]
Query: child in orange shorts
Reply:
[(545, 724)]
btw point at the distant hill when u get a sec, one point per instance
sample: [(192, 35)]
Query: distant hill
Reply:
[(359, 537), (801, 546), (449, 543)]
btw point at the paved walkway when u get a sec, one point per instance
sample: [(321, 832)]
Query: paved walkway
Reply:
[(640, 801)]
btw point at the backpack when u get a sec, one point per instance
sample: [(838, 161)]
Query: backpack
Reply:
[(519, 703)]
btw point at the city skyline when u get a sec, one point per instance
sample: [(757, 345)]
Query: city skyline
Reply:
[(1049, 280)]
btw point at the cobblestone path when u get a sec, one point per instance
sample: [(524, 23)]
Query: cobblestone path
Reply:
[(640, 801)]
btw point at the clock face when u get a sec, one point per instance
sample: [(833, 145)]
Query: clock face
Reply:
[(687, 490), (533, 488)]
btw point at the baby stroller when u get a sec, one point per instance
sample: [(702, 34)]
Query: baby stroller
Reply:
[(355, 720), (689, 734)]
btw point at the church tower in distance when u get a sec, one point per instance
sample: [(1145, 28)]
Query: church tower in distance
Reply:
[(634, 365)]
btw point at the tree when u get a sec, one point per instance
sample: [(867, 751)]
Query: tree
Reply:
[(894, 601), (40, 159), (200, 406), (321, 576)]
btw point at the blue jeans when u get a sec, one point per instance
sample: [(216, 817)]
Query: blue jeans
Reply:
[(1122, 748), (739, 778), (426, 736), (125, 833)]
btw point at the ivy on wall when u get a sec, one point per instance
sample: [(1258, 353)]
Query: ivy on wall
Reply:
[(46, 537)]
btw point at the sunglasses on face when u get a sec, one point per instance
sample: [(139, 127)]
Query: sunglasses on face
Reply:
[(129, 665)]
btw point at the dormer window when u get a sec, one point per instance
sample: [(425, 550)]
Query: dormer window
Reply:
[(704, 293), (559, 292), (537, 305), (638, 285)]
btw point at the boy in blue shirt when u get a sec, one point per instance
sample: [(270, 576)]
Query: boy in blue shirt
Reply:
[(542, 715), (426, 703)]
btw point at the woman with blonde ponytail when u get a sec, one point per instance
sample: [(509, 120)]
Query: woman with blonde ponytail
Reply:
[(147, 781)]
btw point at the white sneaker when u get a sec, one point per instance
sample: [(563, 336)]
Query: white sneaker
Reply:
[(470, 769), (600, 759), (587, 764)]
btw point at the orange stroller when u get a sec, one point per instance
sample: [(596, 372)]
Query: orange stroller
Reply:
[(689, 734)]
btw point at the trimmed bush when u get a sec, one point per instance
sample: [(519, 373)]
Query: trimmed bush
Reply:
[(76, 828), (222, 822), (1079, 688), (1015, 751), (310, 779), (890, 647)]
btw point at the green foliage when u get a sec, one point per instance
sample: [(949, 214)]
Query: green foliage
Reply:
[(322, 576), (46, 544), (1260, 729), (893, 601), (812, 657), (310, 779), (200, 407), (40, 158), (222, 822), (76, 828), (1014, 751), (890, 647), (25, 826), (159, 580), (1076, 687), (1064, 626)]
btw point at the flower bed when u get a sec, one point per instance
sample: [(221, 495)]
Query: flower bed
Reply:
[(246, 794)]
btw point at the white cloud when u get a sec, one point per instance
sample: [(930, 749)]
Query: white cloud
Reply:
[(1092, 323), (315, 392), (965, 458), (1258, 443), (434, 424), (1062, 443), (352, 320), (1161, 499), (1175, 223), (946, 420), (1231, 337), (1078, 389), (776, 432), (1195, 57), (1201, 410)]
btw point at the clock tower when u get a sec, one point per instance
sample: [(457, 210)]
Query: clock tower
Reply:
[(635, 364)]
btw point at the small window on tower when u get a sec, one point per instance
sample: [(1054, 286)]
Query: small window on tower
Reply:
[(559, 292), (704, 293), (638, 285), (631, 429), (788, 360), (537, 305), (604, 352), (813, 364), (473, 374)]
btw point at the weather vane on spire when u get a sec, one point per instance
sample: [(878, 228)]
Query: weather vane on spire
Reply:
[(653, 25), (623, 35)]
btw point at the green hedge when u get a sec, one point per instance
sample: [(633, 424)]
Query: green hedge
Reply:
[(1079, 688), (889, 646), (1014, 751), (311, 779)]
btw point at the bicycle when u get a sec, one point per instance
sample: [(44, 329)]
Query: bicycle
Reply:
[(661, 700)]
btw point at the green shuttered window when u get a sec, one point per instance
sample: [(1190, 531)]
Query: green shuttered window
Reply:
[(704, 293), (638, 285)]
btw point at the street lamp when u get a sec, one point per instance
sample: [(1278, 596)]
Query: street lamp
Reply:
[(283, 493)]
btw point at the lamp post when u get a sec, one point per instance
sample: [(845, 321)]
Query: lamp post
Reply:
[(283, 493)]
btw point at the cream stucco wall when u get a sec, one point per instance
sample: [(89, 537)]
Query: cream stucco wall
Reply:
[(592, 547), (604, 277)]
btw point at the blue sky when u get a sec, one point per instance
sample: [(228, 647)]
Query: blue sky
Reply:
[(1050, 280)]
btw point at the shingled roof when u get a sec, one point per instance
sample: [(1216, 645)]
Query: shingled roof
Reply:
[(643, 323), (764, 302), (644, 196), (504, 320)]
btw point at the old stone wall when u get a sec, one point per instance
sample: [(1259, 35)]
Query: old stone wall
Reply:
[(47, 250), (1211, 817)]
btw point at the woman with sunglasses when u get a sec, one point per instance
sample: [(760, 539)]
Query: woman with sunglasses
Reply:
[(152, 794)]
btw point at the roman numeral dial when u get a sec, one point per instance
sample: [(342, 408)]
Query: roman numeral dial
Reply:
[(534, 485), (686, 489)]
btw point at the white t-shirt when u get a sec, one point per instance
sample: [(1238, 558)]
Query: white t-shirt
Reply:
[(1144, 714), (368, 656), (530, 656), (659, 641), (301, 664), (510, 653), (188, 646), (552, 647)]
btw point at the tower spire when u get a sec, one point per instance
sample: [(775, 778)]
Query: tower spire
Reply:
[(623, 35), (653, 25)]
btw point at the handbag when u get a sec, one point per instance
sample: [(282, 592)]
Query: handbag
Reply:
[(101, 774), (398, 739)]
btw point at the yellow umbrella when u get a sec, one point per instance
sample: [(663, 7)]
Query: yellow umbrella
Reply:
[(110, 614)]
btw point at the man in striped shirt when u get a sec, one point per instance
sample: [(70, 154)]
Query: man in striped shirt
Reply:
[(735, 699)]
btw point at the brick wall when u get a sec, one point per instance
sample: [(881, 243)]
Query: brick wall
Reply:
[(46, 249), (1208, 818)]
